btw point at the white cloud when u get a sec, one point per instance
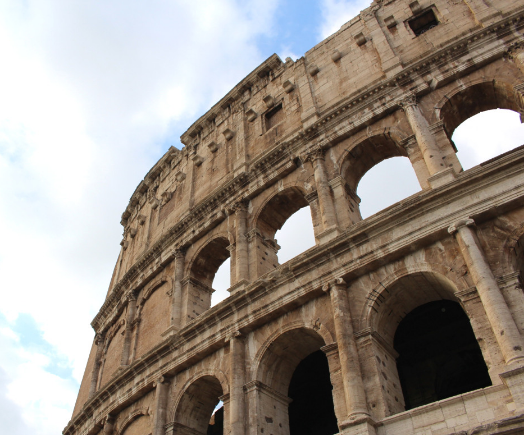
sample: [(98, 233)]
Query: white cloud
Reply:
[(92, 94), (335, 13)]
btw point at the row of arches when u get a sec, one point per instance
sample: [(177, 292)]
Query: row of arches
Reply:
[(430, 354)]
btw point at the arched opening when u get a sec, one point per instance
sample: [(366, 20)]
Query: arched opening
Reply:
[(439, 356), (195, 414), (383, 178), (421, 319), (311, 411), (293, 238), (385, 184), (221, 282), (484, 136), (296, 235), (202, 276), (487, 135), (294, 367)]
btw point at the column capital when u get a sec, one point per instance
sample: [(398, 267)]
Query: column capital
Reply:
[(408, 100), (336, 283), (234, 334), (461, 224), (131, 296), (240, 207), (99, 338), (161, 380), (180, 253), (313, 154)]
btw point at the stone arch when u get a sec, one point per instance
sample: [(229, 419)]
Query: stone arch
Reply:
[(379, 294), (419, 292), (513, 250), (369, 151), (283, 202), (208, 258), (278, 206), (471, 97), (294, 381), (131, 418), (195, 402), (311, 340), (214, 373), (322, 331)]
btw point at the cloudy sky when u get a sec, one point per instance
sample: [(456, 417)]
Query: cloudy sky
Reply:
[(92, 93)]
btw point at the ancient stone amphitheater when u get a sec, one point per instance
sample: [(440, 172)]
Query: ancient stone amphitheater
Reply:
[(407, 322)]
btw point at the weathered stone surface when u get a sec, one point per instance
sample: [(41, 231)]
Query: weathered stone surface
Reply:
[(394, 81)]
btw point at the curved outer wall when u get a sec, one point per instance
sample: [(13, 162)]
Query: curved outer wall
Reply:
[(293, 134)]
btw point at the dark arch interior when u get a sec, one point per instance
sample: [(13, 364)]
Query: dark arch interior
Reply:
[(209, 260), (367, 154), (312, 410), (475, 99), (196, 408), (439, 356)]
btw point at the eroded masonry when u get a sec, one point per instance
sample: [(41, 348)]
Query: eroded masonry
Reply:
[(407, 322)]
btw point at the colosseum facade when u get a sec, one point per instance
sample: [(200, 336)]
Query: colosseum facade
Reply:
[(407, 322)]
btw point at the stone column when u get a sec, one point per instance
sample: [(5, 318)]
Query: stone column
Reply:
[(349, 361), (327, 207), (131, 310), (417, 160), (161, 395), (482, 11), (237, 374), (242, 260), (99, 343), (109, 424), (497, 311), (433, 157), (346, 202), (176, 302)]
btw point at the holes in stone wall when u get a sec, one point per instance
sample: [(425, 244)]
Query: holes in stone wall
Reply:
[(385, 184), (274, 116), (487, 135), (423, 22)]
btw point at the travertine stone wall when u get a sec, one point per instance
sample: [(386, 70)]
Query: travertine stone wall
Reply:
[(303, 133)]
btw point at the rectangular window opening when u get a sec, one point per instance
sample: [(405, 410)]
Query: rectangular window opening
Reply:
[(424, 22), (274, 116)]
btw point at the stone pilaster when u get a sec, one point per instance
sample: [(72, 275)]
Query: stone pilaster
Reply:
[(433, 156), (109, 425), (483, 12), (161, 396), (131, 312), (237, 375), (242, 259), (327, 206), (176, 302), (346, 203), (349, 362), (99, 343), (499, 316), (417, 160)]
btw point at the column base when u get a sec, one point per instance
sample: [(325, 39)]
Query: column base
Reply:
[(328, 234), (239, 286), (443, 177), (513, 377), (360, 424), (172, 330)]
